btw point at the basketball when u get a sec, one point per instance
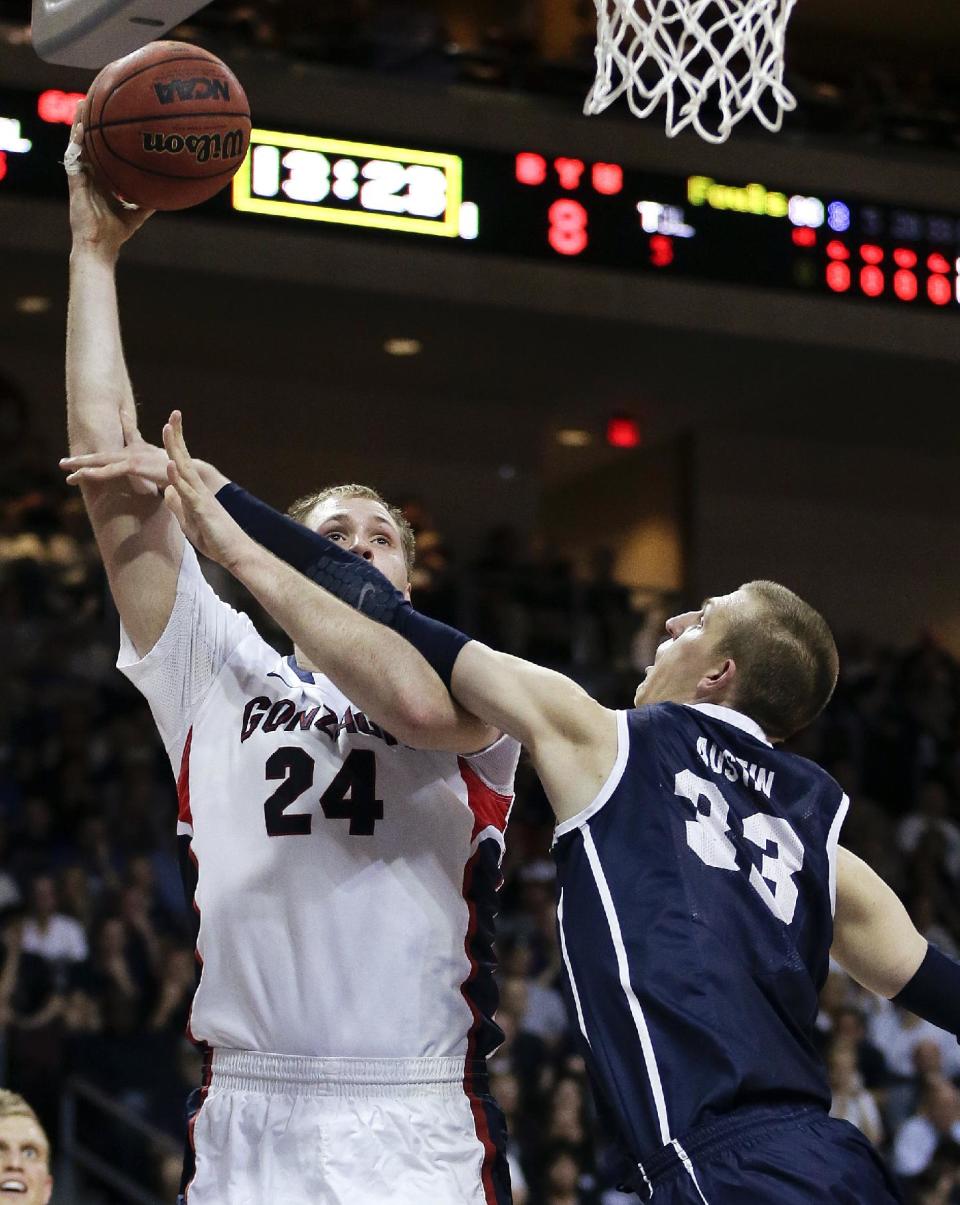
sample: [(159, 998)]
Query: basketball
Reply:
[(166, 127)]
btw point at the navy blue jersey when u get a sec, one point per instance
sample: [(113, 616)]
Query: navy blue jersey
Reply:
[(696, 918)]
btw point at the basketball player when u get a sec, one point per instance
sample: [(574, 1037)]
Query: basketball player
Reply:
[(701, 882), (343, 881), (24, 1153)]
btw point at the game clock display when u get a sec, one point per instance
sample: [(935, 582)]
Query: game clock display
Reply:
[(531, 204)]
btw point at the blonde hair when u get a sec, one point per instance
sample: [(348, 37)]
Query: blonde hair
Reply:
[(12, 1104), (301, 509)]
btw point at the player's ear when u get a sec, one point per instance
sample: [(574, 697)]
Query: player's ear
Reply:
[(716, 684)]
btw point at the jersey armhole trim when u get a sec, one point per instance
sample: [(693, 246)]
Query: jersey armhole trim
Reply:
[(833, 840), (613, 781), (507, 746)]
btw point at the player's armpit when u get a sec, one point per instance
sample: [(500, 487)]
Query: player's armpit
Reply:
[(874, 938), (570, 736)]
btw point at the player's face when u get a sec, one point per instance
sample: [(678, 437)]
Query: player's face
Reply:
[(366, 528), (24, 1162), (689, 653)]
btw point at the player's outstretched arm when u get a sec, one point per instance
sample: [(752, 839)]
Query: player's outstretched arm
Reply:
[(139, 541), (877, 943), (572, 738), (873, 936), (375, 667)]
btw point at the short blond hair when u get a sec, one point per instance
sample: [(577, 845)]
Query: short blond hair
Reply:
[(301, 509), (12, 1104), (786, 659)]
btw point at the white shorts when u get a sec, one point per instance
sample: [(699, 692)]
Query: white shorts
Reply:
[(291, 1130)]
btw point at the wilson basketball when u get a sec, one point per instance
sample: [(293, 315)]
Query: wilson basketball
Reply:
[(167, 126)]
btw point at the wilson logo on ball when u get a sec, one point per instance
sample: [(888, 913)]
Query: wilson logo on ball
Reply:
[(200, 88), (202, 146)]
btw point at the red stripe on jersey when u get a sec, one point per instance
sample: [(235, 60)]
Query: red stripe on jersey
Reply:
[(184, 815), (490, 809), (476, 1106)]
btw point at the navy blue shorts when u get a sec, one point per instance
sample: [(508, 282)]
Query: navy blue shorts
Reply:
[(765, 1156)]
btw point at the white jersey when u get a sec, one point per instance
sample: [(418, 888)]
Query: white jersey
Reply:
[(344, 883)]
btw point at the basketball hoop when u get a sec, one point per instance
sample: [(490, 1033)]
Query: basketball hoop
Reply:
[(712, 61)]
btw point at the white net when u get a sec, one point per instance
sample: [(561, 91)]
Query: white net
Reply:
[(712, 61)]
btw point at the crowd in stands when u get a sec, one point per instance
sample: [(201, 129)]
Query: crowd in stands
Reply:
[(96, 960)]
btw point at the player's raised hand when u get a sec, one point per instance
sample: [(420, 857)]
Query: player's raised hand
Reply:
[(205, 523), (99, 224)]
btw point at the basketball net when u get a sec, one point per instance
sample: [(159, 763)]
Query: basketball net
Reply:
[(713, 61)]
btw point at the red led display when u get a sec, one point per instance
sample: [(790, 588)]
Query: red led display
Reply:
[(623, 432), (838, 277), (568, 227), (904, 258), (3, 164), (938, 289), (661, 251), (804, 236), (937, 263), (871, 280), (531, 168), (569, 172), (607, 178), (58, 108), (871, 254), (904, 284), (838, 250)]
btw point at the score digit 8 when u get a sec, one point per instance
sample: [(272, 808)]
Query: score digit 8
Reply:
[(568, 227)]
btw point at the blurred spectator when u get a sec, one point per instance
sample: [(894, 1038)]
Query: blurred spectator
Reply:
[(851, 1101), (898, 1034), (49, 933), (939, 1184), (566, 1182), (10, 897), (31, 1004), (850, 1029), (937, 1118), (932, 816), (505, 1089)]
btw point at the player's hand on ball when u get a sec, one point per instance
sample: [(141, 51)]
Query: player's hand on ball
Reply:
[(205, 523), (98, 223)]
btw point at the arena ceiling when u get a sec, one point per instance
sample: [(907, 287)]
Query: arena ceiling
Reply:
[(921, 30)]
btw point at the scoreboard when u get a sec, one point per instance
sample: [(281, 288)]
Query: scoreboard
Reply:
[(531, 204)]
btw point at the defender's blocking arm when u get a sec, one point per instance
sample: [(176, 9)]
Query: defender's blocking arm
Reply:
[(571, 737), (374, 667)]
